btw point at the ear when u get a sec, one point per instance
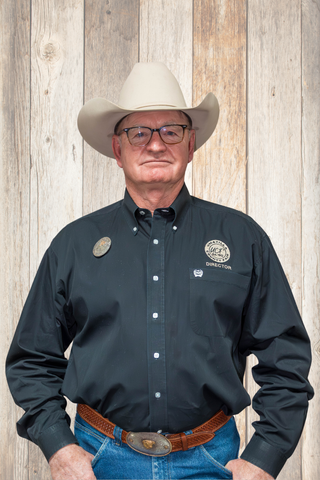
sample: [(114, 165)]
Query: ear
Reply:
[(192, 140), (116, 147)]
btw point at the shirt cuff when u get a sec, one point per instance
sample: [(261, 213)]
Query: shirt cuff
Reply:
[(264, 456), (55, 437)]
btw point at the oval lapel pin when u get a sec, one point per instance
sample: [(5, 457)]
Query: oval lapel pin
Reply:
[(101, 247)]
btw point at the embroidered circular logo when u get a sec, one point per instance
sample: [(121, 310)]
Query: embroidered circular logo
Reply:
[(217, 251)]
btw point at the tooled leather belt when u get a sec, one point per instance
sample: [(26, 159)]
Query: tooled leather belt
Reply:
[(155, 444)]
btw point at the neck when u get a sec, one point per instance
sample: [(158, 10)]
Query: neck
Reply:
[(152, 197)]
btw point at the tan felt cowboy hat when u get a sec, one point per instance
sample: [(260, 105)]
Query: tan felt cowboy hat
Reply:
[(149, 87)]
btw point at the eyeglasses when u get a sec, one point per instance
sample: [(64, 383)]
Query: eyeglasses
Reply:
[(141, 136)]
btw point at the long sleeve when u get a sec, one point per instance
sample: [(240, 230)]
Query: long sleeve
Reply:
[(274, 333), (36, 363)]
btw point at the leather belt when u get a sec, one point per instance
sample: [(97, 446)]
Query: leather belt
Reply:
[(155, 444)]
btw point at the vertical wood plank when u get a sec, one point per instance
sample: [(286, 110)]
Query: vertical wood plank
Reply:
[(56, 145), (14, 217), (111, 50), (219, 65), (166, 36), (311, 223), (57, 94), (274, 142), (219, 169)]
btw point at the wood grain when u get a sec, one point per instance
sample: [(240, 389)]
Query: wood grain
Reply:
[(56, 146), (111, 50), (56, 98), (274, 142), (311, 223), (14, 217), (166, 31), (219, 65)]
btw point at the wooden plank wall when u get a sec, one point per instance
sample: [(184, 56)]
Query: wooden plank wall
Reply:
[(274, 143), (262, 60)]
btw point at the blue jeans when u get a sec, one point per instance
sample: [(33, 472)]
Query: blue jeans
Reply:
[(115, 460)]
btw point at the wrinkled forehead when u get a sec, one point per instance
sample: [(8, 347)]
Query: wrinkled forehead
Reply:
[(153, 118)]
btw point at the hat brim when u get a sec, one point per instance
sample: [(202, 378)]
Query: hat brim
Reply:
[(98, 117)]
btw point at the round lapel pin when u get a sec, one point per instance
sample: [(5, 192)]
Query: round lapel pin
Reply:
[(101, 247)]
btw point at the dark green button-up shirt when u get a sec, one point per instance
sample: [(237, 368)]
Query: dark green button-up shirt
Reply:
[(161, 327)]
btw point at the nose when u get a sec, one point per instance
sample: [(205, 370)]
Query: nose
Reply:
[(156, 144)]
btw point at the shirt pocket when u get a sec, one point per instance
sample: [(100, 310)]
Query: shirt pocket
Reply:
[(217, 298)]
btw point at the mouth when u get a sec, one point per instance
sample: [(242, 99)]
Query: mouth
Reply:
[(155, 160)]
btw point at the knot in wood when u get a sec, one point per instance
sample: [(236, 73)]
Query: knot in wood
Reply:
[(50, 52)]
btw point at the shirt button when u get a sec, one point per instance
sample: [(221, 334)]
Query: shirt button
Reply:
[(142, 212), (174, 228), (155, 241), (159, 431), (157, 394), (156, 355), (155, 278), (135, 229), (155, 315)]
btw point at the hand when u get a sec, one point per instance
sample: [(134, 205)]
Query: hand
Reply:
[(243, 470), (71, 463)]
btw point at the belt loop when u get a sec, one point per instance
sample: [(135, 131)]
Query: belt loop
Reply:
[(184, 441), (117, 433)]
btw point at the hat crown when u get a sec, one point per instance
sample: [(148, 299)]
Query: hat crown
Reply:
[(151, 85)]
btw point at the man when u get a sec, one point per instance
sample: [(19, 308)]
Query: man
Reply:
[(164, 296)]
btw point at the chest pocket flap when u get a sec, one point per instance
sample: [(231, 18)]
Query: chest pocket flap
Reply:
[(217, 298)]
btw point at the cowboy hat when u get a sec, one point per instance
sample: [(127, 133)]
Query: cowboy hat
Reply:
[(149, 87)]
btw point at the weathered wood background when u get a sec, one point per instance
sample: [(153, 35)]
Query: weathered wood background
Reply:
[(262, 60)]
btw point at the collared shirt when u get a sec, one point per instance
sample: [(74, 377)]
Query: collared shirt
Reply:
[(161, 327)]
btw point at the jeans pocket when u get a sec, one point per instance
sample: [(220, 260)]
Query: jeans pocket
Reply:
[(90, 440), (100, 452), (217, 465)]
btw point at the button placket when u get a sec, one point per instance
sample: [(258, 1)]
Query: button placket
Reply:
[(156, 326)]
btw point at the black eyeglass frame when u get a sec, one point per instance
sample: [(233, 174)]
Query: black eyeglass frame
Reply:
[(126, 130)]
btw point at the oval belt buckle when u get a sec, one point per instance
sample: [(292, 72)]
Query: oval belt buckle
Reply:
[(149, 443)]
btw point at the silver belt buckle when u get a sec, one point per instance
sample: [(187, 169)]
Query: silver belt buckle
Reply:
[(149, 443)]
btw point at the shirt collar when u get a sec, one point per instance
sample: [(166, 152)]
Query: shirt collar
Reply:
[(180, 207), (129, 209)]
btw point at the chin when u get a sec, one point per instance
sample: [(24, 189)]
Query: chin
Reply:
[(158, 179)]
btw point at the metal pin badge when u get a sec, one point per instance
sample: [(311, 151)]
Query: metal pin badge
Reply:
[(101, 247)]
